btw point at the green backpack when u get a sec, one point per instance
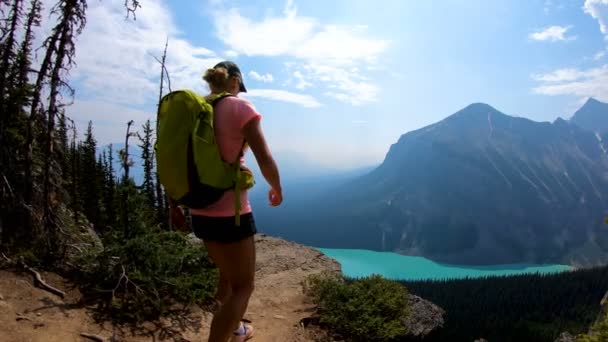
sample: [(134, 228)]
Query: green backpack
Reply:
[(188, 160)]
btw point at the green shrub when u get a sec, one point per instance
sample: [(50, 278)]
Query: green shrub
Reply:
[(143, 277), (599, 332), (367, 309)]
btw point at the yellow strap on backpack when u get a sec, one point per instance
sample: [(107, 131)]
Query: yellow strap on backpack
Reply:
[(237, 195)]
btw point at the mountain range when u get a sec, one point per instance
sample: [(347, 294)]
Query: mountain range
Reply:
[(479, 187)]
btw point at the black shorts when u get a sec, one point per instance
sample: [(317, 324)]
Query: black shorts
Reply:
[(223, 229)]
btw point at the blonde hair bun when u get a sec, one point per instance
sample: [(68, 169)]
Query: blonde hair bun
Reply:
[(216, 77)]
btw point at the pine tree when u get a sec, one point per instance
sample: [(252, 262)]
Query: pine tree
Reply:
[(100, 178), (21, 67), (16, 95), (71, 23), (34, 120), (7, 55), (88, 177), (110, 189), (75, 174), (148, 163), (107, 188), (10, 192), (39, 162)]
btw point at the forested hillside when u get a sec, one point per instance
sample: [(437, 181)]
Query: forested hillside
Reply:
[(44, 164), (516, 308), (64, 206)]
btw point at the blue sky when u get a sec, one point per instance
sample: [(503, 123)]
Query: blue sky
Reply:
[(338, 82)]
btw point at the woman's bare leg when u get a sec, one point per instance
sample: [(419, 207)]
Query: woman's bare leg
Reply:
[(223, 289), (237, 262)]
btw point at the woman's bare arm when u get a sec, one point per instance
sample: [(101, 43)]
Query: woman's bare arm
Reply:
[(255, 138)]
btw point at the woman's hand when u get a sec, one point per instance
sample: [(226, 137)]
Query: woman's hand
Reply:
[(255, 138), (275, 197)]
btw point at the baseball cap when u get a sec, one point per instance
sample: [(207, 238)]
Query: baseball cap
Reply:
[(233, 70)]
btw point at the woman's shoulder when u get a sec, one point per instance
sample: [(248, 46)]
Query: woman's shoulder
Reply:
[(238, 100), (240, 104)]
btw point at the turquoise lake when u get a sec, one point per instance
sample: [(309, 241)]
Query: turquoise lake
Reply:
[(361, 263)]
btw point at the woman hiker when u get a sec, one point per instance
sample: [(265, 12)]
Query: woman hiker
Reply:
[(231, 247)]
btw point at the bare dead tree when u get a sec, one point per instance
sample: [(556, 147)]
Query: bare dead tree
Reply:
[(46, 65), (163, 72), (124, 153), (71, 23), (126, 164), (3, 5), (132, 6), (162, 202)]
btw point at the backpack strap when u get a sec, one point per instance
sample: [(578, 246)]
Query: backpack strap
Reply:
[(236, 164), (237, 185)]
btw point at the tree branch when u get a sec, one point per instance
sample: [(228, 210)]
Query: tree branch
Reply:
[(124, 276), (165, 71), (93, 337), (7, 258), (41, 283), (8, 185), (21, 317), (132, 8)]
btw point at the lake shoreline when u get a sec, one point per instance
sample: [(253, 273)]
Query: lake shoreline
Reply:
[(357, 263)]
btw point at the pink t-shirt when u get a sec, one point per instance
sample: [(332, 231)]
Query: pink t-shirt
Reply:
[(231, 114)]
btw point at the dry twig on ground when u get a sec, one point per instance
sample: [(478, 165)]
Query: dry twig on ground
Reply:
[(42, 284), (94, 337)]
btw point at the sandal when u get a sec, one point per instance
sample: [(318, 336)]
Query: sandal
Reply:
[(248, 333)]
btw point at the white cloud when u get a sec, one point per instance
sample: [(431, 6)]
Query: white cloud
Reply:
[(109, 119), (297, 36), (552, 33), (589, 83), (266, 78), (598, 9), (583, 83), (340, 83), (231, 54), (346, 85), (114, 55), (302, 82), (311, 43), (285, 96), (340, 44), (116, 77), (568, 74)]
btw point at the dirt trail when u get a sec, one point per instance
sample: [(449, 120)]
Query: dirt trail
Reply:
[(28, 313)]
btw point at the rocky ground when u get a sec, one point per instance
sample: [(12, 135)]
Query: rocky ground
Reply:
[(277, 307)]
